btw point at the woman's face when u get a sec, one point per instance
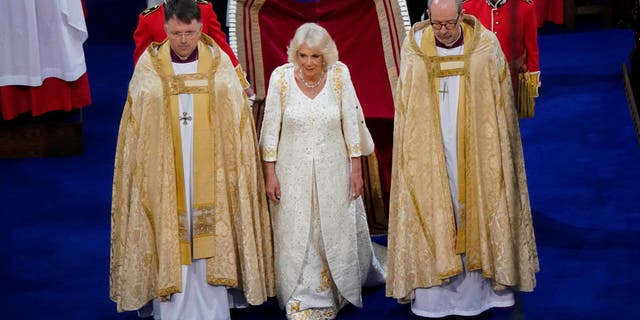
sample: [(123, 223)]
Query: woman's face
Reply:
[(310, 62)]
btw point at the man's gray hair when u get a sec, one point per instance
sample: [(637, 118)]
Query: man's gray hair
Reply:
[(458, 2), (316, 38)]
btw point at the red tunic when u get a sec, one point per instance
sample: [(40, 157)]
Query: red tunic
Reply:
[(514, 23), (151, 28)]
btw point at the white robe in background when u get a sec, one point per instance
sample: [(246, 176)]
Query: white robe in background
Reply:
[(151, 3), (469, 293), (41, 39)]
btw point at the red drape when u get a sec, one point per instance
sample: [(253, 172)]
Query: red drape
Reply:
[(549, 10), (353, 24), (368, 34)]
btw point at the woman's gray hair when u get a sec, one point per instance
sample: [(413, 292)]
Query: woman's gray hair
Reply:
[(316, 38)]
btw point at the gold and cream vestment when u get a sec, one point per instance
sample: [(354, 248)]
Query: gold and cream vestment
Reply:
[(231, 229), (495, 231)]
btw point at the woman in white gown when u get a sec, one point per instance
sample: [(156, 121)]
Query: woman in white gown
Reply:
[(312, 138)]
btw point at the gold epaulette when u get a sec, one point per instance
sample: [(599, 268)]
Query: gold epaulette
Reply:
[(202, 1), (149, 10)]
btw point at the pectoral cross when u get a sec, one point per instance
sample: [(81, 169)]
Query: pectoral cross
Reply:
[(185, 118), (444, 89)]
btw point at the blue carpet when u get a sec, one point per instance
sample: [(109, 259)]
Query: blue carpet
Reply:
[(582, 164)]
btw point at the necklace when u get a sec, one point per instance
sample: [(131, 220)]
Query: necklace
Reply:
[(311, 87)]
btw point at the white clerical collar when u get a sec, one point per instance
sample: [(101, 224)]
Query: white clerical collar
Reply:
[(496, 3)]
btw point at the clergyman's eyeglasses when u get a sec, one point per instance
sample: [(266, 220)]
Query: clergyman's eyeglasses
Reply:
[(449, 25), (179, 35)]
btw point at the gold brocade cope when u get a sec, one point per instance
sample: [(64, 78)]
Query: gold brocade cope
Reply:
[(202, 233), (448, 66), (188, 84), (147, 227), (494, 228), (243, 79)]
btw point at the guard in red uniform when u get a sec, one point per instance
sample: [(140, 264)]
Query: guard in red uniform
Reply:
[(151, 29), (514, 23)]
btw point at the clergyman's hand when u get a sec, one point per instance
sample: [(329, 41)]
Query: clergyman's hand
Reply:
[(251, 96)]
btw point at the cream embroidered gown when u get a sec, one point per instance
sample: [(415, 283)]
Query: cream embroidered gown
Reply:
[(323, 253)]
